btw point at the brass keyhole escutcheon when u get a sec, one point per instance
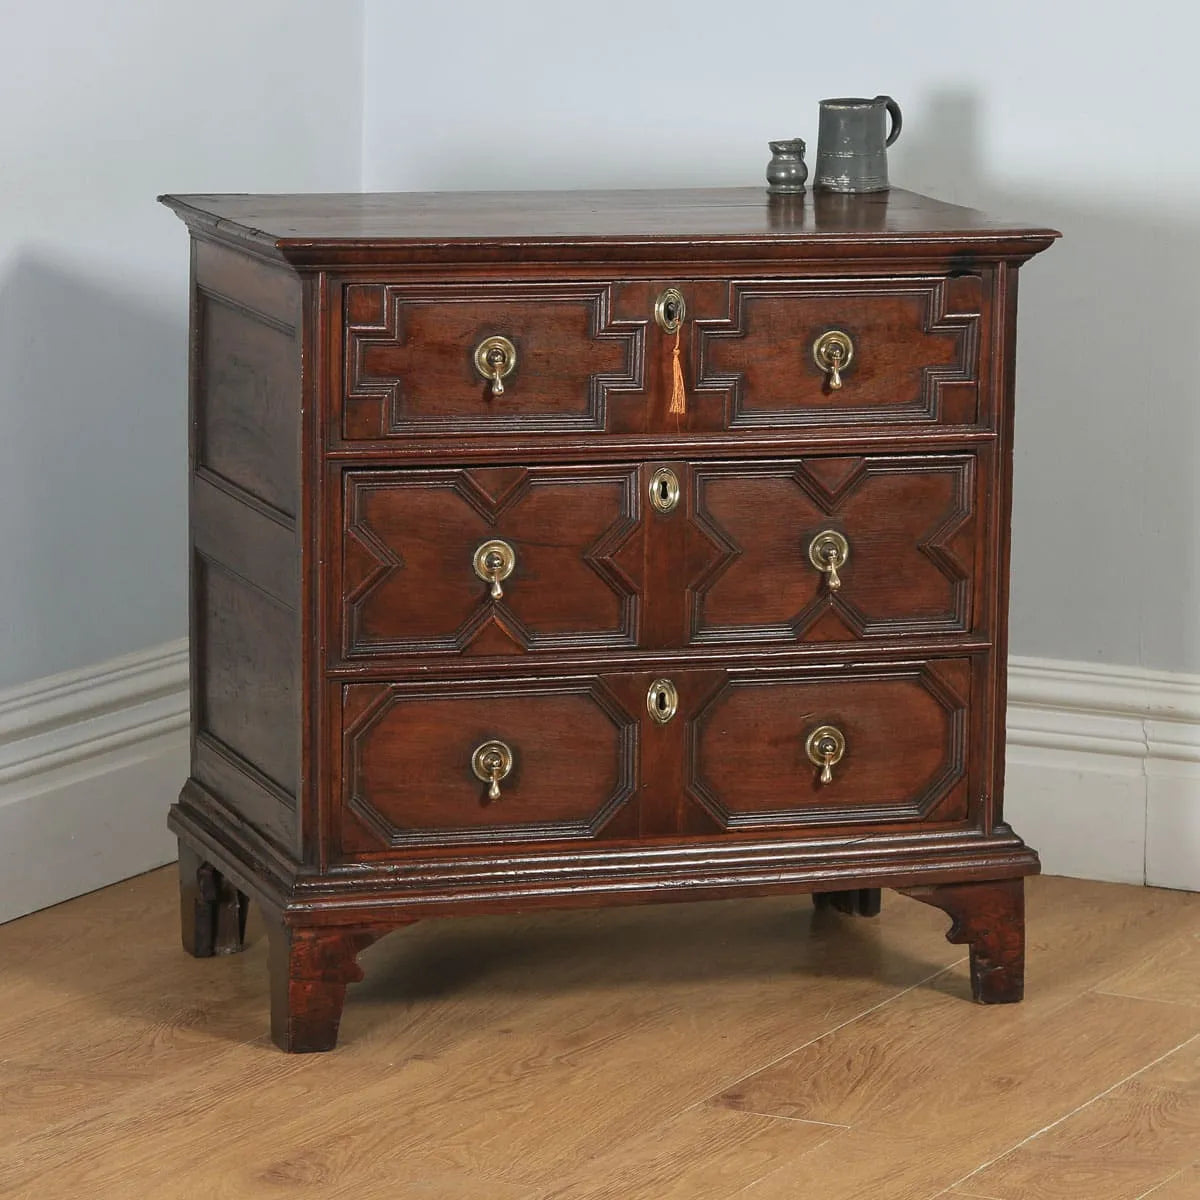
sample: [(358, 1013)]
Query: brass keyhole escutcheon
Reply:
[(494, 561), (828, 551), (825, 747), (833, 352), (662, 700), (664, 490), (492, 762), (670, 310), (495, 358)]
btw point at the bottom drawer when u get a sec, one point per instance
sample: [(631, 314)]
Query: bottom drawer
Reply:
[(621, 756)]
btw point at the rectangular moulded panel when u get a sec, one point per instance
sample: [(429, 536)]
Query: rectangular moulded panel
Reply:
[(569, 766), (248, 686), (248, 409), (411, 364), (907, 352), (899, 736), (246, 702)]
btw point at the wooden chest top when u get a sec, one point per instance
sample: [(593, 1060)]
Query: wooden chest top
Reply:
[(683, 224)]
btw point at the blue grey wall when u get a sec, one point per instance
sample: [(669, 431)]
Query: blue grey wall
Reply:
[(1023, 108), (104, 107)]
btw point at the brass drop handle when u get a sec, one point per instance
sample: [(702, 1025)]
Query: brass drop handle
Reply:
[(832, 352), (492, 762), (495, 357), (825, 747), (494, 561), (828, 551)]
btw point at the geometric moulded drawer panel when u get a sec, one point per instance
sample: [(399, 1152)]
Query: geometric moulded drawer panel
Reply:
[(899, 748), (567, 765), (570, 546), (907, 528)]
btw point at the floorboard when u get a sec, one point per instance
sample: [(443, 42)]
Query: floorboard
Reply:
[(752, 1049)]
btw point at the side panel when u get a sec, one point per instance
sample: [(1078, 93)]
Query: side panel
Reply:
[(245, 501)]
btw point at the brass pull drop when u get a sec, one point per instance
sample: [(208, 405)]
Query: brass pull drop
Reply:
[(494, 561), (492, 762), (495, 357), (825, 747), (496, 360), (832, 353), (828, 551)]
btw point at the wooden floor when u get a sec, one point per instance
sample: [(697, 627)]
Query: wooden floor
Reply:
[(686, 1052)]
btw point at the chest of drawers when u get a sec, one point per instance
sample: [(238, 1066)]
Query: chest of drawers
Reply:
[(561, 549)]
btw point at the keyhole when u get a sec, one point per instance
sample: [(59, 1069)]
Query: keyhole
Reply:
[(663, 490), (661, 699), (669, 310)]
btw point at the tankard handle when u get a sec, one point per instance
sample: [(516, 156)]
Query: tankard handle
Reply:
[(894, 112)]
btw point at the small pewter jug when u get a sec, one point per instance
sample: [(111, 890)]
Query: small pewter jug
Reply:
[(787, 170), (852, 144)]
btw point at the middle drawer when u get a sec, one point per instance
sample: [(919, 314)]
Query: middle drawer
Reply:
[(514, 560)]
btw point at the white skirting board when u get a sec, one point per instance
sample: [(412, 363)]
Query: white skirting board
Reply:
[(1103, 773), (89, 762)]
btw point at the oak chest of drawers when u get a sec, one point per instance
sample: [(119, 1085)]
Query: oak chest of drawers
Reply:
[(594, 548)]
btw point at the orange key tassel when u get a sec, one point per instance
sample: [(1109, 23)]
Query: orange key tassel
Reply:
[(678, 397)]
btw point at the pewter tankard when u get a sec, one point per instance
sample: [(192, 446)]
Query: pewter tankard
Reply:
[(852, 144)]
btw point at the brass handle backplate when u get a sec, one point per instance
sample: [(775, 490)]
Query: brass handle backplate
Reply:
[(662, 700), (664, 490), (492, 762), (825, 747), (828, 551), (495, 358), (670, 310), (494, 561), (832, 352)]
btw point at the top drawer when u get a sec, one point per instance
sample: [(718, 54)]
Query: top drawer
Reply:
[(784, 355)]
